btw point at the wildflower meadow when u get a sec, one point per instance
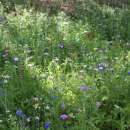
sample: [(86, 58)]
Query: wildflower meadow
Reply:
[(64, 65)]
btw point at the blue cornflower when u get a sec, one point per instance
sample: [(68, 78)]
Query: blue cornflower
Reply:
[(129, 73), (47, 125), (19, 113)]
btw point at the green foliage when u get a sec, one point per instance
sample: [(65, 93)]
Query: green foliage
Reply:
[(111, 24), (56, 64), (8, 5)]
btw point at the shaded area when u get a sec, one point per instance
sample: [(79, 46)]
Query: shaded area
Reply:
[(115, 3)]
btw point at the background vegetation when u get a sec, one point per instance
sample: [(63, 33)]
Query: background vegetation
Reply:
[(64, 65)]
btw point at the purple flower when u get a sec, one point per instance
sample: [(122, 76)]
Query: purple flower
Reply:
[(64, 117), (129, 73), (84, 88), (19, 113), (61, 45), (47, 125)]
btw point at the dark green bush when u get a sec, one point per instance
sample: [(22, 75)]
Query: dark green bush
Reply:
[(8, 5)]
